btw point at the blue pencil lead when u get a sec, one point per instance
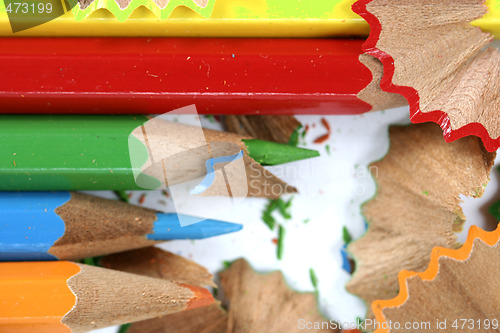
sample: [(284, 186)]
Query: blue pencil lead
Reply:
[(168, 227)]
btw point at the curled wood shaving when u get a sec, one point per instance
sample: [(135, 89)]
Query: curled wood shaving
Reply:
[(437, 61), (264, 303), (459, 291), (417, 205)]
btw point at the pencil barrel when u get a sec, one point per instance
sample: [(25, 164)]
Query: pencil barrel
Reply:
[(156, 75), (67, 297)]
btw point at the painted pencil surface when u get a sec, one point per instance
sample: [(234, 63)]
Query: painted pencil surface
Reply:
[(156, 75), (60, 297), (229, 18), (114, 153), (63, 225)]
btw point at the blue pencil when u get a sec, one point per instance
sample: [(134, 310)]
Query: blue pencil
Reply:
[(71, 225)]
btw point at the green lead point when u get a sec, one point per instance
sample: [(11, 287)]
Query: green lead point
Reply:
[(272, 153), (124, 328), (123, 196), (294, 138)]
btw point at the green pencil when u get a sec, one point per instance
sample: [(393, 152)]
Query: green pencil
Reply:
[(56, 152)]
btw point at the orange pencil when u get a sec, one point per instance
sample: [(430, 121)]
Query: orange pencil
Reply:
[(62, 297)]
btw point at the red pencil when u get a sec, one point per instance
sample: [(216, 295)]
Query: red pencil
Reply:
[(156, 75)]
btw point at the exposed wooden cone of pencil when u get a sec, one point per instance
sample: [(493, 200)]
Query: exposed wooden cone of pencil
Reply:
[(98, 235), (417, 205), (435, 52), (456, 282), (107, 297), (154, 262), (271, 128), (264, 302)]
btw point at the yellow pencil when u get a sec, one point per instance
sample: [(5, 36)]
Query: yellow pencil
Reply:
[(222, 18), (63, 297), (228, 18)]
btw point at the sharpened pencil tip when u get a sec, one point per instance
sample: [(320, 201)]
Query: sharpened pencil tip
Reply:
[(168, 227), (272, 153), (202, 297)]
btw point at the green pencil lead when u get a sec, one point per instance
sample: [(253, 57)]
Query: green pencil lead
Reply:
[(294, 138), (89, 261), (314, 278), (268, 220), (267, 214), (92, 261), (281, 239), (495, 210), (210, 118), (304, 132), (272, 153), (346, 236), (123, 196), (124, 328), (227, 264), (284, 208), (272, 205)]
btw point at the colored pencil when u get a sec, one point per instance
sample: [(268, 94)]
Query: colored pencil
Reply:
[(229, 18), (156, 263), (63, 225), (156, 75), (57, 297), (93, 153)]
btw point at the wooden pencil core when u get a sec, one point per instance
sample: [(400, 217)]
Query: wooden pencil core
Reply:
[(109, 224), (106, 298), (173, 160)]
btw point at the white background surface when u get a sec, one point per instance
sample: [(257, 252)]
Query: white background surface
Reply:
[(332, 188)]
